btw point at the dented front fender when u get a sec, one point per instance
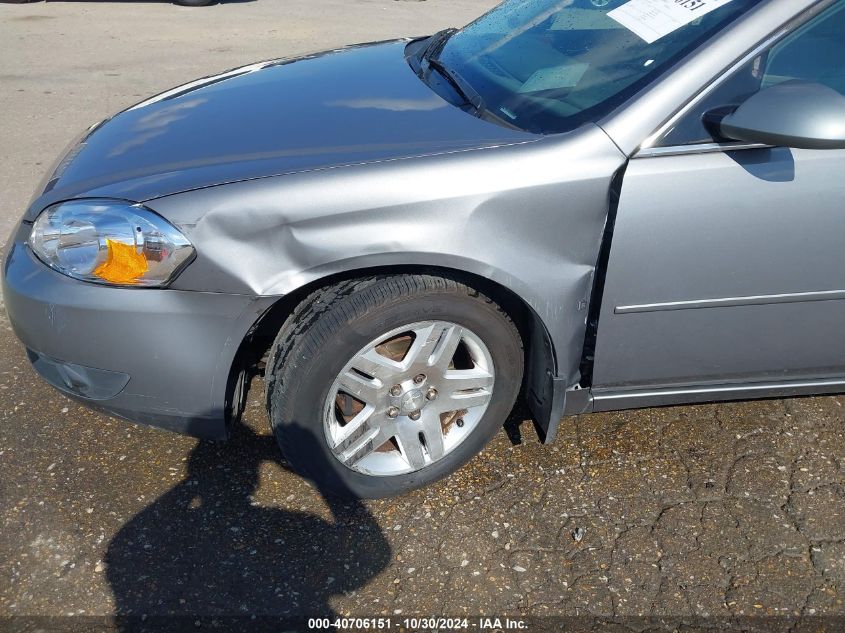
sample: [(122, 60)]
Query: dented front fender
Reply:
[(528, 216)]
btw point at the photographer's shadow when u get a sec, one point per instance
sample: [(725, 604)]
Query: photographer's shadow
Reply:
[(205, 548)]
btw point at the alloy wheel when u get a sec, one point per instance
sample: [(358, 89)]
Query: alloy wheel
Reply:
[(408, 398)]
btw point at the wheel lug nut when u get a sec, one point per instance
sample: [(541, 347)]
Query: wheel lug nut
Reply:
[(431, 394), (459, 422), (419, 378), (392, 412), (414, 415), (396, 390)]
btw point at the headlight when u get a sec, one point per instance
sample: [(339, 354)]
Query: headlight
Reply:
[(109, 242)]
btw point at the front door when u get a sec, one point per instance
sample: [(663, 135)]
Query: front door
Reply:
[(727, 263)]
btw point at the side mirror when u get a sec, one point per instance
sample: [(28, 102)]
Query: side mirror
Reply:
[(791, 114)]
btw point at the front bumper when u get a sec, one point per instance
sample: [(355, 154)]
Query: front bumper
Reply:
[(156, 356)]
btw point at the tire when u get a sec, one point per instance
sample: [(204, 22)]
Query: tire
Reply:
[(329, 330), (194, 3)]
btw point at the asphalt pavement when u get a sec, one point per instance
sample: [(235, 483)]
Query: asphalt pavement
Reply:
[(712, 512)]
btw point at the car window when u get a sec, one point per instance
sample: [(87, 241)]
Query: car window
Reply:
[(814, 52), (548, 66)]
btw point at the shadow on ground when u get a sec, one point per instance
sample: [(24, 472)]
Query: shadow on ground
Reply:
[(205, 547)]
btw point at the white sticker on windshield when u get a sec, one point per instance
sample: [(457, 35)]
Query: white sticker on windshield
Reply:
[(652, 19), (565, 76)]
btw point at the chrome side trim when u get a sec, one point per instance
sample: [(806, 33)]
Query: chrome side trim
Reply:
[(700, 148), (757, 300), (613, 400)]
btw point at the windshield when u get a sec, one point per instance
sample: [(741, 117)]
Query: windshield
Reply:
[(548, 66)]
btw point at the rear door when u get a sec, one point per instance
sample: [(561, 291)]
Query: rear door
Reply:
[(727, 263)]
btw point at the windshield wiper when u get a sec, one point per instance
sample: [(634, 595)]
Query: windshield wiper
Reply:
[(469, 94), (429, 61), (435, 43), (459, 84)]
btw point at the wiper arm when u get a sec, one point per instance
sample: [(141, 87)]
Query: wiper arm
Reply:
[(467, 93), (461, 86), (429, 61), (435, 43)]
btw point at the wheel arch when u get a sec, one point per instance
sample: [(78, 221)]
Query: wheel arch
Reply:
[(540, 360)]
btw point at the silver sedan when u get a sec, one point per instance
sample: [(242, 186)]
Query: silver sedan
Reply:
[(582, 205)]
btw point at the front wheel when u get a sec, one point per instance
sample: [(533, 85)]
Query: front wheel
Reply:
[(377, 386)]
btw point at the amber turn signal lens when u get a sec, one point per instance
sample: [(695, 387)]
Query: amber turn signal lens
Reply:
[(123, 265)]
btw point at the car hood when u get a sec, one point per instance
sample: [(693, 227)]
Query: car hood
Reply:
[(349, 106)]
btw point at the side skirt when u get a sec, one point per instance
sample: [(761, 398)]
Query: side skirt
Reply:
[(617, 399)]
